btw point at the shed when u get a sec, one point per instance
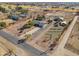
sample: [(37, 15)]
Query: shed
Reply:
[(34, 21), (40, 24)]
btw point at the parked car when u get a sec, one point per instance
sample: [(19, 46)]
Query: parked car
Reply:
[(55, 24), (21, 41), (63, 23)]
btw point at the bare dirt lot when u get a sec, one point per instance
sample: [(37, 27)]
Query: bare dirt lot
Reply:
[(52, 35), (73, 42)]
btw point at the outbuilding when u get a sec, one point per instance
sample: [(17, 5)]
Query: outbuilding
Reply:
[(40, 24)]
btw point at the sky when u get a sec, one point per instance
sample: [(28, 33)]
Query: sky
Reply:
[(39, 0)]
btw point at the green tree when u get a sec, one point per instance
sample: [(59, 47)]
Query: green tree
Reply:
[(23, 11), (18, 8), (40, 18), (28, 37), (2, 9), (2, 25)]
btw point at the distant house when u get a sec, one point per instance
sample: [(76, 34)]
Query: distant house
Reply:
[(22, 15), (14, 17)]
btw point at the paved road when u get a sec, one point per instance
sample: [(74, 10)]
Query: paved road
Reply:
[(66, 36), (25, 46)]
